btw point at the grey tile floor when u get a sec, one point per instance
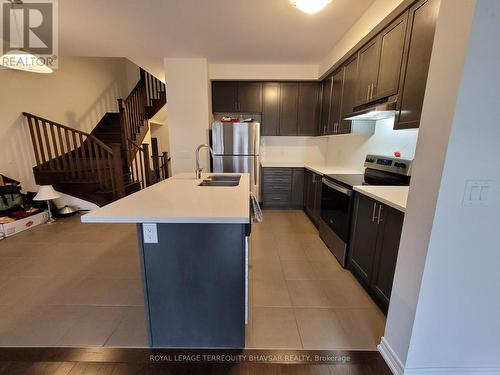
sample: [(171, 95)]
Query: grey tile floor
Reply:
[(301, 298), (74, 284), (71, 284)]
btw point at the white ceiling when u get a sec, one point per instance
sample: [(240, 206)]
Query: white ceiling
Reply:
[(223, 31)]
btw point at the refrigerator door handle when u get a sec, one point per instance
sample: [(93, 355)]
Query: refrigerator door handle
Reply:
[(256, 169), (255, 145)]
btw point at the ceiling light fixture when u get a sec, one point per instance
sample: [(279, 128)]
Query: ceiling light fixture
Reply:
[(310, 6)]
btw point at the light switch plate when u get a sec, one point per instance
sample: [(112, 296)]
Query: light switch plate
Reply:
[(149, 233), (477, 193)]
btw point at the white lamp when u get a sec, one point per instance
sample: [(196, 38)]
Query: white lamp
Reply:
[(47, 193)]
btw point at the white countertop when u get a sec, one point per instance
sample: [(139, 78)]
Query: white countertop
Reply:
[(318, 168), (393, 196), (179, 199)]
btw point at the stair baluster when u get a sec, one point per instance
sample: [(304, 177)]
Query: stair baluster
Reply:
[(110, 161)]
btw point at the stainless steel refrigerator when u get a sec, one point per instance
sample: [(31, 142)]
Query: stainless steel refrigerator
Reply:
[(236, 147)]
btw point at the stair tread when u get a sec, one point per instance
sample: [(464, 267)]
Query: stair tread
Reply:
[(109, 131)]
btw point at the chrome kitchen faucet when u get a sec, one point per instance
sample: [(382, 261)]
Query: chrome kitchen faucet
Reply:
[(198, 170)]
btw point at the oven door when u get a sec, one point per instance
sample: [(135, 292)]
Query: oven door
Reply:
[(336, 206)]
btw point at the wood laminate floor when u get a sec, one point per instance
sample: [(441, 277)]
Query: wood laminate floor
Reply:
[(103, 361)]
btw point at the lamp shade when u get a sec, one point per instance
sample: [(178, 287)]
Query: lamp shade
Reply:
[(46, 193)]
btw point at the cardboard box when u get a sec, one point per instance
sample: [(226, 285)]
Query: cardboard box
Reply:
[(20, 225)]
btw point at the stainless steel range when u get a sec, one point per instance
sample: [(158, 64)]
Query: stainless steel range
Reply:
[(337, 198)]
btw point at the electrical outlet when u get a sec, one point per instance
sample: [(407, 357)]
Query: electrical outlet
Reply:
[(149, 233)]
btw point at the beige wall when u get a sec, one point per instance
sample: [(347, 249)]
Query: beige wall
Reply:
[(263, 71), (77, 95), (370, 18), (188, 110), (445, 74), (457, 322)]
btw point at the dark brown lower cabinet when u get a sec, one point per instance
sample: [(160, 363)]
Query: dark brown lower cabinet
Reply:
[(374, 247), (312, 195), (282, 188), (297, 199)]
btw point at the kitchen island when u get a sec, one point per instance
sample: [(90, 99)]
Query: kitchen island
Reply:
[(193, 246)]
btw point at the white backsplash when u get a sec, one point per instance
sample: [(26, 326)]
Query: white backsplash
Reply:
[(349, 151), (346, 151), (293, 149)]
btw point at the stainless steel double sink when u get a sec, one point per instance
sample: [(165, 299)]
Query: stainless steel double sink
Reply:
[(220, 180)]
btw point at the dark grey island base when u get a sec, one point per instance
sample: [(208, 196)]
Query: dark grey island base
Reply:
[(195, 285)]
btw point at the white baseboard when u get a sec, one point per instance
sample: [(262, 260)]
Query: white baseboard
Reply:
[(397, 367), (453, 371), (390, 357)]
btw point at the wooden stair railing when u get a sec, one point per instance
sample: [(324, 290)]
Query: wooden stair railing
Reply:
[(73, 154), (110, 162), (140, 170), (146, 98), (160, 166)]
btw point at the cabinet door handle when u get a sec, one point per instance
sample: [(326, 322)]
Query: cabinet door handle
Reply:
[(275, 199), (373, 90), (379, 216), (368, 93), (374, 211)]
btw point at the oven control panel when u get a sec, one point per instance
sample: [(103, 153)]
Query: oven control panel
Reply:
[(389, 164)]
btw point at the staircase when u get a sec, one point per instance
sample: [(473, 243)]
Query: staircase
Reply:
[(110, 162)]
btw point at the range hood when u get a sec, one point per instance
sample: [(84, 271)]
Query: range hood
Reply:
[(374, 112)]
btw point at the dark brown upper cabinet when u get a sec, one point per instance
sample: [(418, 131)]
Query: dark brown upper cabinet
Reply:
[(224, 96), (336, 102), (270, 108), (250, 97), (395, 61), (289, 101), (368, 58), (380, 63), (350, 78), (326, 95), (308, 108), (233, 96), (417, 56), (339, 100), (392, 41)]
